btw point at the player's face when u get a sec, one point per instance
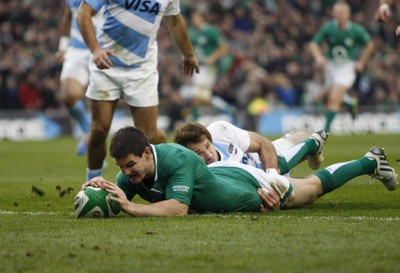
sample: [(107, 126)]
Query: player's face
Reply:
[(205, 149), (136, 168), (341, 13)]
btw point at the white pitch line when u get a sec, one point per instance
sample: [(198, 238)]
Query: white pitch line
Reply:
[(361, 218), (9, 212)]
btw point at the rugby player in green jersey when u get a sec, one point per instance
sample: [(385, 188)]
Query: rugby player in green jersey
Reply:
[(344, 38), (175, 180)]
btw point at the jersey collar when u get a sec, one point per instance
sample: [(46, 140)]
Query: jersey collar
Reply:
[(153, 150)]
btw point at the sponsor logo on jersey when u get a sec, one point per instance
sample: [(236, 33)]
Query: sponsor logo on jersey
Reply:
[(143, 6), (181, 188), (232, 149)]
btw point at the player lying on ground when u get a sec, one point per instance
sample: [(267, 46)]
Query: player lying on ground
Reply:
[(175, 180), (223, 141)]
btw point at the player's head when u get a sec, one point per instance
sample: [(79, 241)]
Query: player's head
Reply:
[(197, 138), (197, 19), (128, 140), (131, 151), (341, 12)]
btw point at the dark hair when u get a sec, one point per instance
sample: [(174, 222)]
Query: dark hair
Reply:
[(128, 140), (190, 133)]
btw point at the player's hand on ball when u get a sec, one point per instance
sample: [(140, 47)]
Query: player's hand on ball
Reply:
[(97, 182), (270, 200), (117, 194)]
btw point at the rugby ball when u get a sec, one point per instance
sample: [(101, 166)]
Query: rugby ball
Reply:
[(92, 203)]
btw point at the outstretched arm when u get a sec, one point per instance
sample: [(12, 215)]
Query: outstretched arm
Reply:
[(360, 65), (64, 28), (316, 52), (169, 207), (265, 150), (178, 30), (100, 55)]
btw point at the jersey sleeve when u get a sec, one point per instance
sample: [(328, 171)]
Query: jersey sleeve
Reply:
[(222, 131), (173, 8), (319, 36), (363, 35), (95, 4), (180, 177)]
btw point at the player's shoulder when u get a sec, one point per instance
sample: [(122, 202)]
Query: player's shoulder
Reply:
[(222, 124), (173, 150)]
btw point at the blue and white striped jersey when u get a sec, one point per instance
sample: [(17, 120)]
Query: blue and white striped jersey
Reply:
[(76, 39), (130, 29)]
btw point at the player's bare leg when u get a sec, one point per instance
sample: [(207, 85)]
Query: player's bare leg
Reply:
[(102, 114), (146, 119)]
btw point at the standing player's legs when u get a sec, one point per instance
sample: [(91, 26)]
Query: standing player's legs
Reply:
[(141, 94), (102, 114), (202, 86), (74, 79), (335, 100), (146, 119), (72, 92), (340, 77)]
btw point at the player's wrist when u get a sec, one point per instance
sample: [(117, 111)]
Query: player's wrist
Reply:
[(271, 170), (63, 43)]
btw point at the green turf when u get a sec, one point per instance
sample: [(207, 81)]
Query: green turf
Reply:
[(354, 229)]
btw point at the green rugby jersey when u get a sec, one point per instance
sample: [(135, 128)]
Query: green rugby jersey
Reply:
[(205, 41), (181, 175), (343, 45)]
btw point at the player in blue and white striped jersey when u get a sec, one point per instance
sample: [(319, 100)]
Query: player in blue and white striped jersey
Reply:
[(74, 78), (125, 65)]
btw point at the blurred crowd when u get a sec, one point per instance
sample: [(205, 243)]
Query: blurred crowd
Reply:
[(269, 65)]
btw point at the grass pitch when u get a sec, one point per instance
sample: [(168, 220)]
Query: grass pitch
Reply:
[(353, 229)]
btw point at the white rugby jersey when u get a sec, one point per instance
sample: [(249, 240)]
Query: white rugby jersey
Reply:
[(130, 29), (231, 143), (76, 39)]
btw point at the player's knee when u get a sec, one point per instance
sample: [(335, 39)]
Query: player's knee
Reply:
[(98, 133)]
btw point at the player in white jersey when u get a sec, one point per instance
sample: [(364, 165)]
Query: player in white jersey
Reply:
[(74, 78), (124, 65), (222, 141)]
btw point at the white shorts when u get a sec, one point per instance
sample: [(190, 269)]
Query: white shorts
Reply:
[(269, 181), (340, 73), (76, 65), (202, 84), (137, 87)]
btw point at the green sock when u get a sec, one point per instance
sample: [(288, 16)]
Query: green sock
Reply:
[(289, 158), (336, 175), (329, 118), (195, 113)]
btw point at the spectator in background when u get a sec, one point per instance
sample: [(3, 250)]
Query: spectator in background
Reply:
[(384, 13), (29, 36), (29, 93), (342, 63)]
